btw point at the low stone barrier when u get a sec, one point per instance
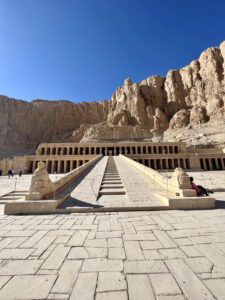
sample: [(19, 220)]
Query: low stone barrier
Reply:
[(179, 184), (43, 188)]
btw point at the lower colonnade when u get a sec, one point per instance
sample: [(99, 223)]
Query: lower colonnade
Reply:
[(65, 166), (65, 157)]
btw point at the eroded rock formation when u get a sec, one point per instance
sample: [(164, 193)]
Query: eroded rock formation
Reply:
[(193, 95), (23, 125)]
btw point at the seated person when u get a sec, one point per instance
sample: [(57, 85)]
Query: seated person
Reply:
[(200, 190)]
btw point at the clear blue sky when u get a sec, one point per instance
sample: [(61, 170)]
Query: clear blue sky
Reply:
[(81, 50)]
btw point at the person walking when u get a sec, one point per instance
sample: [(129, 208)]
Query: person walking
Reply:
[(9, 173)]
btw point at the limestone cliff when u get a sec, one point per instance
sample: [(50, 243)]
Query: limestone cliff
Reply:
[(192, 95), (23, 125), (187, 104)]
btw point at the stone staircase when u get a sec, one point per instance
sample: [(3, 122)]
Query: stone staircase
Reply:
[(13, 196), (111, 183)]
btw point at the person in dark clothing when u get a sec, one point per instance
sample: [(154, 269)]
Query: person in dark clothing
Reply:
[(0, 172), (10, 173), (200, 190), (20, 173)]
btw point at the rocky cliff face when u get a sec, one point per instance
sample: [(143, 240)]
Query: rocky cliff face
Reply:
[(192, 95), (23, 125), (186, 103)]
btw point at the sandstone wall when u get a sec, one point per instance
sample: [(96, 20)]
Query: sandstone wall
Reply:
[(23, 125)]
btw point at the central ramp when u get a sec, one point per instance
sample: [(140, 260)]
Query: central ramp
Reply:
[(113, 185)]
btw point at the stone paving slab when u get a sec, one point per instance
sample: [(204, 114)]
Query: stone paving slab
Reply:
[(161, 255)]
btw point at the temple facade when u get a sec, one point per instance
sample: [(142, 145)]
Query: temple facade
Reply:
[(64, 157)]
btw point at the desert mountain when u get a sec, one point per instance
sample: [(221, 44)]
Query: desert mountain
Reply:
[(188, 104)]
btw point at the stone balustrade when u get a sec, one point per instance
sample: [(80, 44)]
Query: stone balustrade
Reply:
[(42, 187), (178, 184)]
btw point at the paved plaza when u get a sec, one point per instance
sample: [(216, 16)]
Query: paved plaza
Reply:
[(163, 255), (167, 255)]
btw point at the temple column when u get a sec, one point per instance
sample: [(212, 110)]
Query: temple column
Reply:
[(217, 165), (210, 164), (160, 164), (52, 167), (65, 165), (172, 163), (222, 162), (204, 164), (59, 166), (167, 165), (33, 166)]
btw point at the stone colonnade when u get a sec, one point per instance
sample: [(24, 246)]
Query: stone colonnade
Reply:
[(212, 163), (165, 163), (64, 157), (57, 166), (108, 150)]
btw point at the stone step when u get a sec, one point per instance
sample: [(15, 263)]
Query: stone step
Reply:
[(111, 182), (11, 198), (108, 172), (112, 192), (18, 194), (13, 195), (109, 186), (20, 191), (111, 179)]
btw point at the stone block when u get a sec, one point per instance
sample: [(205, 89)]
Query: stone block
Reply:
[(111, 281), (28, 287), (139, 287), (164, 284), (84, 287), (20, 267), (102, 265), (144, 266)]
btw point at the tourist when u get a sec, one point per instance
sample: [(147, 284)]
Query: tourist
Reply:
[(0, 172), (200, 190), (9, 173), (20, 173), (12, 173)]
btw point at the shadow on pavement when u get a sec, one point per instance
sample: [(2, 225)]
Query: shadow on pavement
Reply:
[(71, 202)]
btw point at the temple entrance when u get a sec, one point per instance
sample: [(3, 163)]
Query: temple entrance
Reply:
[(110, 151)]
